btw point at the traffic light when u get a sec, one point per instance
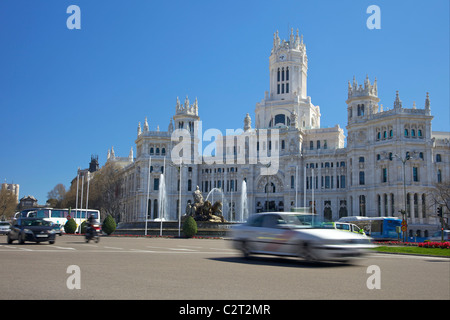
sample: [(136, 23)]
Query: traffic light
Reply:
[(439, 211)]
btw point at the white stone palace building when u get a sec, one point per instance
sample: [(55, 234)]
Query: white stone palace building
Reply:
[(362, 176)]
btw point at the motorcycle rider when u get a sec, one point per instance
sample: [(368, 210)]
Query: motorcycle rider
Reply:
[(89, 222)]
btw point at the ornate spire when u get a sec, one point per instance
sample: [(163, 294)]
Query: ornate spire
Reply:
[(427, 102), (130, 155), (359, 91), (247, 122), (397, 102), (145, 125)]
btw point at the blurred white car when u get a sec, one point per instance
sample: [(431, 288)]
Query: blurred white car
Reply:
[(297, 234), (5, 226)]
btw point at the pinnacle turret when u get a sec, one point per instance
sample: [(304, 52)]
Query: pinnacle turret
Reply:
[(356, 90)]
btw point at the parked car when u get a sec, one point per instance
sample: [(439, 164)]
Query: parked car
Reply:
[(58, 228), (437, 236), (5, 226), (31, 229), (297, 234), (344, 226)]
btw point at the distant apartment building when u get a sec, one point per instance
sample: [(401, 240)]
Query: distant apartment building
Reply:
[(14, 188)]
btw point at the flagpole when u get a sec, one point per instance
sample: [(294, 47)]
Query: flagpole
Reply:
[(76, 201), (81, 203), (148, 192), (179, 207), (87, 195), (296, 183), (304, 187), (312, 204), (163, 199)]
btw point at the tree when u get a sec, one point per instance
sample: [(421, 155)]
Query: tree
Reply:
[(104, 191), (189, 227), (70, 226), (56, 196), (108, 182), (8, 204), (109, 225), (440, 198)]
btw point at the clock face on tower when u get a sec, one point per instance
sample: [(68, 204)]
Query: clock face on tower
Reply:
[(282, 57)]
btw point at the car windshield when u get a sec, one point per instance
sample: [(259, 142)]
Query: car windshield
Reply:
[(303, 221), (36, 222)]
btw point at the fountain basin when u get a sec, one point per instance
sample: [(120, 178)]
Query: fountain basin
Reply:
[(170, 228)]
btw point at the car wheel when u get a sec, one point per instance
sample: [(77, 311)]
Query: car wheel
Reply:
[(22, 238), (305, 252), (51, 241), (245, 250), (9, 240)]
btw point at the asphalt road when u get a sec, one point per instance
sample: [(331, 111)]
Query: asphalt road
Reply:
[(198, 269)]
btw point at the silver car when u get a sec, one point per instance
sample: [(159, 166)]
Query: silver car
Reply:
[(5, 226), (297, 234)]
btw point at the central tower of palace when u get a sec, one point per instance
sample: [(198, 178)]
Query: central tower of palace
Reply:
[(288, 66)]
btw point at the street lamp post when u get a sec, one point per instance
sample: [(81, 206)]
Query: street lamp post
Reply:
[(403, 212), (179, 194)]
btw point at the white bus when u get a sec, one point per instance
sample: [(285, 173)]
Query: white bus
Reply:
[(59, 216)]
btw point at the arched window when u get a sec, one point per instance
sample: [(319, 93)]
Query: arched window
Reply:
[(278, 75), (362, 205), (406, 133), (280, 119), (287, 73), (439, 176)]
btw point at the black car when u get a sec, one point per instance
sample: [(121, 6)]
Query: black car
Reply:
[(31, 229)]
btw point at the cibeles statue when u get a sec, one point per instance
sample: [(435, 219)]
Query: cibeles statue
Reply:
[(203, 210), (198, 197)]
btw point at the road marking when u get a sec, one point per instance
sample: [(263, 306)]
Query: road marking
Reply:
[(64, 248), (116, 248), (180, 249), (23, 249), (225, 249), (141, 250), (190, 247)]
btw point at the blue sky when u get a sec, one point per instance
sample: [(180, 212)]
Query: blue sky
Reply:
[(66, 94)]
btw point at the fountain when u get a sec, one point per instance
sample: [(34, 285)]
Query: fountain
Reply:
[(203, 210), (162, 200), (222, 199), (244, 205)]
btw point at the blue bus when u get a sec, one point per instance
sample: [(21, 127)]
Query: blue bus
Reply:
[(379, 228)]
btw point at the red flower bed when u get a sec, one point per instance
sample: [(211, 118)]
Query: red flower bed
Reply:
[(442, 245), (428, 244)]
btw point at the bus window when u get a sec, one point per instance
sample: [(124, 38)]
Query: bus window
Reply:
[(57, 213), (94, 213), (39, 214), (343, 226)]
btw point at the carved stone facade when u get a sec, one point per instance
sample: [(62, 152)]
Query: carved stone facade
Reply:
[(363, 177)]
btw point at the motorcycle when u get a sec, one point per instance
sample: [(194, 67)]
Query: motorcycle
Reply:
[(93, 233)]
